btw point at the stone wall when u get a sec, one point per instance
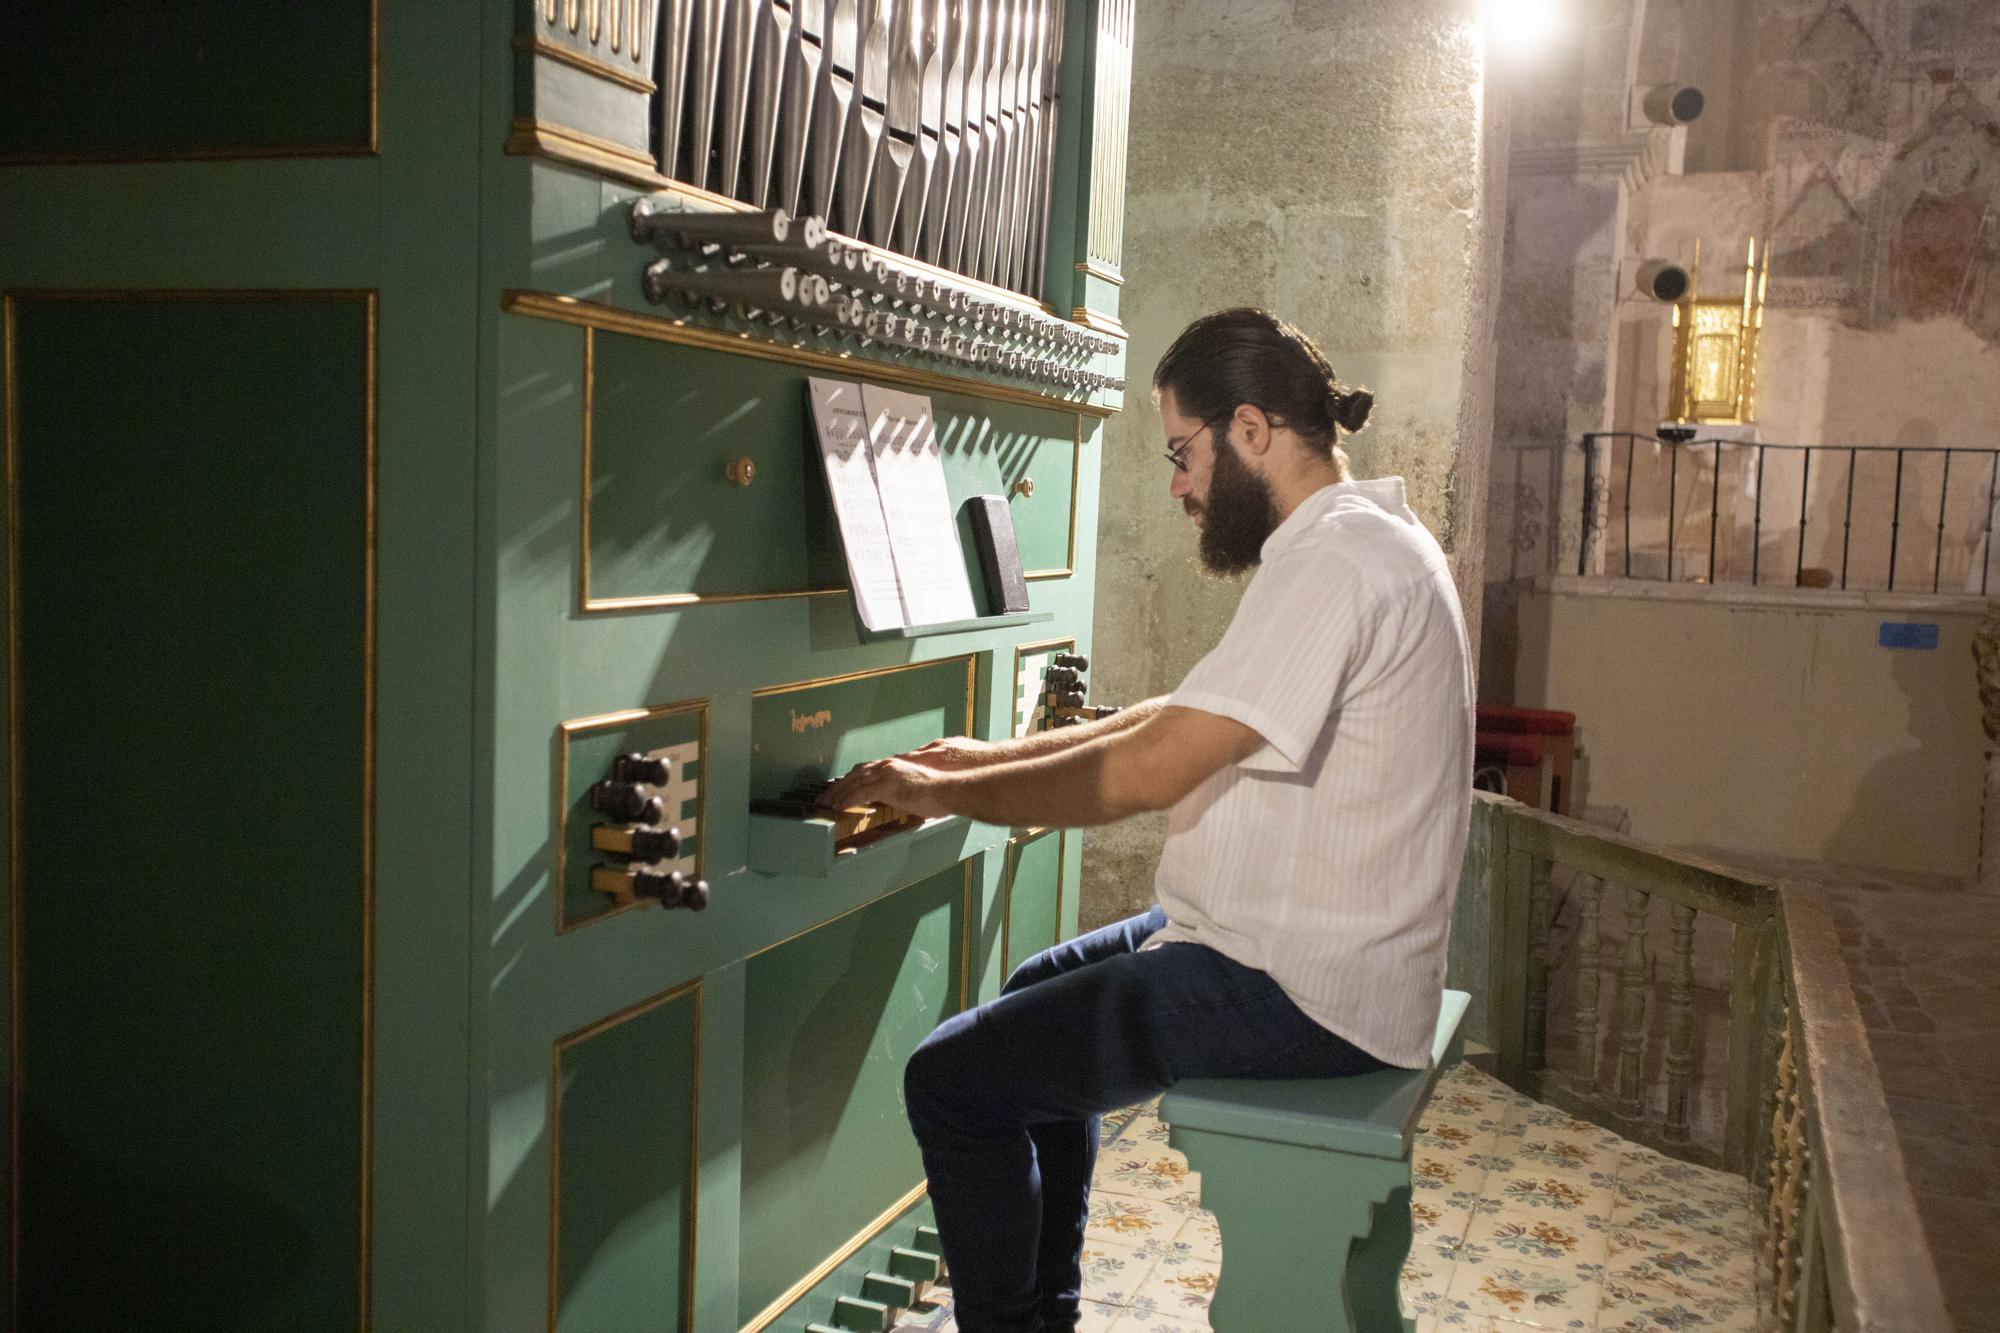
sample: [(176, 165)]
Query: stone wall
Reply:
[(1327, 160)]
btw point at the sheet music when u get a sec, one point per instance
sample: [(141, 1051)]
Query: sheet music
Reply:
[(842, 425), (909, 473)]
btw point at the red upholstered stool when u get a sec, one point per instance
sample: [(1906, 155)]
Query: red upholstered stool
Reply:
[(1556, 734)]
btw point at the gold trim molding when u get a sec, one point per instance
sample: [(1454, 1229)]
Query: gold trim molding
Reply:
[(539, 138), (1101, 271), (592, 317), (9, 389), (691, 1217), (1012, 865), (604, 722), (971, 661), (539, 45), (1100, 322)]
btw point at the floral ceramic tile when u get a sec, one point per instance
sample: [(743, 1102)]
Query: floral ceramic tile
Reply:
[(1202, 1236), (1184, 1294), (1645, 1310), (1585, 1200), (1097, 1317), (1434, 1175), (1536, 1237), (1122, 1220), (1426, 1275), (1541, 1297), (1437, 1219), (1109, 1266), (1702, 1277), (1159, 1323), (1462, 1320), (1126, 1172)]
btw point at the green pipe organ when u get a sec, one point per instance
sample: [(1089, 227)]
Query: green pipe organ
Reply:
[(406, 436)]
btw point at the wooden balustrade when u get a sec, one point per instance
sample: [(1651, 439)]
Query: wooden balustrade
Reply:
[(1804, 1111)]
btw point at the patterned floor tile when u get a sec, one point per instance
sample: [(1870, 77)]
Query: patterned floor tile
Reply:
[(1524, 1219), (1135, 1322), (1435, 1176), (1110, 1267), (1427, 1274), (1708, 1278), (1140, 1173), (1123, 1220), (1098, 1318), (1441, 1219), (1182, 1293), (1200, 1234), (1540, 1297), (1528, 1236), (1462, 1321), (1584, 1201)]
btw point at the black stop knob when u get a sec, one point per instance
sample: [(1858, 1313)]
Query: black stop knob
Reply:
[(1071, 699), (1075, 661), (624, 801), (1058, 677), (651, 769), (671, 889), (656, 844)]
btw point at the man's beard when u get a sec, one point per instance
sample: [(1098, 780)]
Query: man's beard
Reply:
[(1238, 517)]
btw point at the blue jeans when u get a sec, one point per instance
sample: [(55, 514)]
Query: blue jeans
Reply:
[(1005, 1099)]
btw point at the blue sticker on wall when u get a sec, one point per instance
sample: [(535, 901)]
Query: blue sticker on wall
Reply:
[(1908, 634)]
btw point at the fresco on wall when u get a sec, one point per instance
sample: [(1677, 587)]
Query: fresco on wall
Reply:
[(1882, 191)]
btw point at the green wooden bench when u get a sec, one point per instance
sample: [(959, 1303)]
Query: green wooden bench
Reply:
[(1309, 1180)]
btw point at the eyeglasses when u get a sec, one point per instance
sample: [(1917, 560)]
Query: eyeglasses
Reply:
[(1178, 454)]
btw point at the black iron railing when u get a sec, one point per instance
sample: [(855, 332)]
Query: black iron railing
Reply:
[(1976, 472)]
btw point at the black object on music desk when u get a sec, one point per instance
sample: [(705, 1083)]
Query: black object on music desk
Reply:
[(999, 557)]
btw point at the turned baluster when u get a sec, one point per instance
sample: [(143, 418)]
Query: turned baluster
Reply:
[(1538, 961), (1632, 1004), (1590, 891), (1680, 1024)]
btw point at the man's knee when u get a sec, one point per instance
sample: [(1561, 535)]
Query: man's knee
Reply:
[(942, 1062)]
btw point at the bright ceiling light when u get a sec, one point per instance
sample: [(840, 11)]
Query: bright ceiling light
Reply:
[(1522, 26)]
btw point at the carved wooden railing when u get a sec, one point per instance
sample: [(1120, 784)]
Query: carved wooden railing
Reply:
[(1805, 1118)]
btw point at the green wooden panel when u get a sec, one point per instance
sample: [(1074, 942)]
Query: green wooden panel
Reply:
[(809, 732), (1034, 897), (192, 488), (109, 80), (587, 755), (666, 419), (831, 1018), (626, 1157)]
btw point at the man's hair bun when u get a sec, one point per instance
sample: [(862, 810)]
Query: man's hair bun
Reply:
[(1350, 407)]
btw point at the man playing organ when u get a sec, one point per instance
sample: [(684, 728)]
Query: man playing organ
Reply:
[(1315, 766)]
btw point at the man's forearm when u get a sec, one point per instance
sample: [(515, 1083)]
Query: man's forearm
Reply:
[(1062, 787), (1058, 739)]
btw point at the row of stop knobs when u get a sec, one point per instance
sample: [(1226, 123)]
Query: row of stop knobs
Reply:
[(636, 841), (1063, 686)]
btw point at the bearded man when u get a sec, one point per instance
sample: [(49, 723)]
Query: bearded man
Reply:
[(1317, 765)]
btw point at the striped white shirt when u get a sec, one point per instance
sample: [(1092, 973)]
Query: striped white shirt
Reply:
[(1329, 858)]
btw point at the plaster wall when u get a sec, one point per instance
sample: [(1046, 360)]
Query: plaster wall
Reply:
[(1822, 378), (1780, 730), (1327, 160)]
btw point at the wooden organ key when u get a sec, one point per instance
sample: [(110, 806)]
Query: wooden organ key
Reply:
[(853, 827)]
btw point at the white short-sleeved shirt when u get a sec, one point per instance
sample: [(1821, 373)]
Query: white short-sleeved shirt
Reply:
[(1329, 858)]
